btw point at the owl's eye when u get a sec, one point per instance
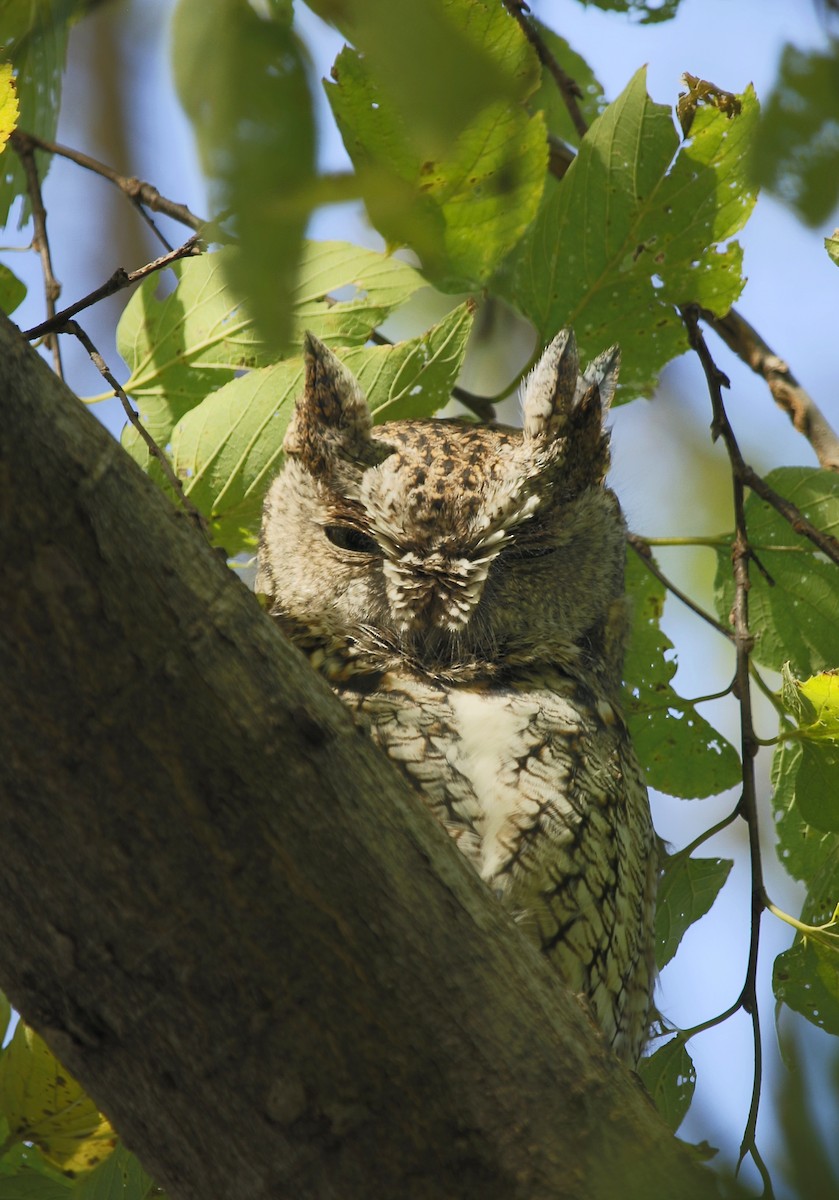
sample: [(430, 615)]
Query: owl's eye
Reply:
[(347, 537)]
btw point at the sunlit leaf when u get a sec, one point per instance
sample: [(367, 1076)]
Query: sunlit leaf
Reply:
[(43, 1104), (682, 753), (465, 206), (670, 1078), (194, 339), (34, 39), (242, 79), (796, 616), (831, 245), (9, 107), (229, 447), (472, 51), (636, 227), (687, 889)]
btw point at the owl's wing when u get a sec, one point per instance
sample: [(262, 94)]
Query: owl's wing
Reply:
[(412, 722), (584, 864)]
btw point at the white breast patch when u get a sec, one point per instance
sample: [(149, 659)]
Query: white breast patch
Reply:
[(495, 734)]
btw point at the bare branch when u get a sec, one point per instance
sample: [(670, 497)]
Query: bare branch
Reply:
[(787, 392), (569, 90), (136, 189), (52, 288), (745, 474), (641, 548), (741, 554), (134, 419), (119, 280)]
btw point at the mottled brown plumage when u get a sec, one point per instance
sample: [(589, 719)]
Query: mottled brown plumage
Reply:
[(461, 587)]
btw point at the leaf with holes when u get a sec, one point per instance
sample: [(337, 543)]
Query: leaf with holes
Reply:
[(682, 753), (670, 1078), (640, 224), (687, 889)]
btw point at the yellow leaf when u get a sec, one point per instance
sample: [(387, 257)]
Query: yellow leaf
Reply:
[(43, 1104), (8, 104), (822, 691)]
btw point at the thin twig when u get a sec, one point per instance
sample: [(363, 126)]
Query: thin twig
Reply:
[(643, 551), (569, 90), (746, 475), (119, 280), (134, 418), (135, 189), (40, 242), (741, 555), (481, 406), (787, 392)]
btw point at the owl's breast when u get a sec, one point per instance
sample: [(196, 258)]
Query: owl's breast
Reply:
[(498, 766)]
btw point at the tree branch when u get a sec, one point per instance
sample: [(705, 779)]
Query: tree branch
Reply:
[(119, 280), (787, 392), (223, 907), (569, 90), (741, 555), (135, 189)]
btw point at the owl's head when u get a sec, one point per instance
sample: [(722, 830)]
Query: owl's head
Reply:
[(443, 544)]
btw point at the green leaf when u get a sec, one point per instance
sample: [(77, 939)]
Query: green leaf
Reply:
[(27, 1184), (548, 98), (801, 847), (795, 618), (831, 245), (473, 53), (670, 1078), (464, 205), (193, 340), (634, 229), (242, 80), (796, 149), (12, 290), (807, 977), (682, 754), (34, 38), (228, 449), (646, 12), (687, 889)]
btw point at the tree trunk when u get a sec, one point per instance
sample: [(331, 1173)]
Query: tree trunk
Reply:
[(222, 907)]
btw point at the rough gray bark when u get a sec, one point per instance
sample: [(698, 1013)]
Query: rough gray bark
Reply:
[(221, 906)]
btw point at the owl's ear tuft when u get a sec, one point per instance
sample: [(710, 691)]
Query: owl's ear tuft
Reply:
[(331, 418), (603, 370), (550, 388)]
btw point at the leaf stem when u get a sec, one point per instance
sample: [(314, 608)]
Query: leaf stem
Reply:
[(641, 548)]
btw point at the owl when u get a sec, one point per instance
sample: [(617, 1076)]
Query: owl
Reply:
[(461, 587)]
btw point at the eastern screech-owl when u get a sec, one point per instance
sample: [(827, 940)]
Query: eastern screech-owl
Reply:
[(461, 588)]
